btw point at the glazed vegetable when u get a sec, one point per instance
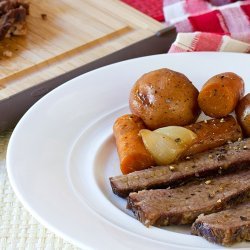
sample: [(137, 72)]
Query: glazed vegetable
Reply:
[(213, 133), (167, 144), (131, 150), (164, 97), (182, 136), (243, 114), (220, 94)]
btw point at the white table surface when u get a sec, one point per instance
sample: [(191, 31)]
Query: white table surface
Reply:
[(18, 229)]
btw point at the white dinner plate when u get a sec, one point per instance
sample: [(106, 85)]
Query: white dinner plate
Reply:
[(62, 153)]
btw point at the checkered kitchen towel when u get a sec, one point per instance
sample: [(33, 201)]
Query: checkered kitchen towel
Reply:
[(225, 28), (214, 25), (153, 8)]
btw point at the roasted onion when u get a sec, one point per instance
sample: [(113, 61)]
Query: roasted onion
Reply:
[(167, 144)]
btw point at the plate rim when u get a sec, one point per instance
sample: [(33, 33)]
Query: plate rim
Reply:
[(20, 196)]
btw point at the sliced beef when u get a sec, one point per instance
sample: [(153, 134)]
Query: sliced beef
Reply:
[(220, 160), (225, 227), (12, 17), (183, 205)]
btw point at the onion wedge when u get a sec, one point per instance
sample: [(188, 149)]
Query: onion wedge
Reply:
[(167, 144), (183, 136)]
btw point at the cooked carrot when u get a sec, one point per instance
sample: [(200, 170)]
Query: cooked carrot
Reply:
[(243, 114), (220, 94), (213, 133), (131, 150)]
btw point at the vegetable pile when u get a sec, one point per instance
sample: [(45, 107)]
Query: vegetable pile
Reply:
[(165, 106)]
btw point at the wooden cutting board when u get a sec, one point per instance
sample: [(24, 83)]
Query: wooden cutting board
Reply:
[(74, 33)]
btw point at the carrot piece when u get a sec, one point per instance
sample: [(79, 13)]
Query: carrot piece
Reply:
[(213, 133), (131, 150), (242, 112), (220, 94)]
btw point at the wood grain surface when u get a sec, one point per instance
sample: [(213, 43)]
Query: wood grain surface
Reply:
[(75, 32)]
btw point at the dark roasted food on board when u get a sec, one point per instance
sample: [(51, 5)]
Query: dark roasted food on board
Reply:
[(13, 18)]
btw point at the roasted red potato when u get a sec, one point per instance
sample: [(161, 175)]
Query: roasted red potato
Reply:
[(164, 97)]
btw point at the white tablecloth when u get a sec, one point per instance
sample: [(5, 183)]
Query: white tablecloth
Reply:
[(18, 229)]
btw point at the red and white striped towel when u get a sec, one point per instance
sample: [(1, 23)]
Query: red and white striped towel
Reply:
[(233, 21), (176, 10), (209, 28), (203, 25), (202, 41)]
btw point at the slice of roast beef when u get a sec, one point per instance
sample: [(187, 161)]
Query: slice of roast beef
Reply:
[(217, 161), (183, 205), (225, 227), (12, 17)]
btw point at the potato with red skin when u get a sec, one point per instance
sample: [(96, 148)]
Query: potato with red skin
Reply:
[(243, 114), (220, 94), (164, 97)]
